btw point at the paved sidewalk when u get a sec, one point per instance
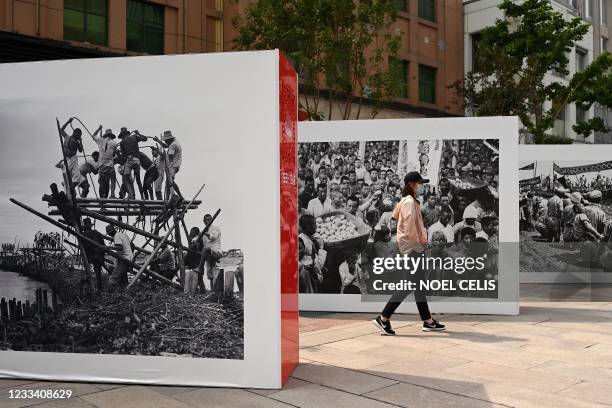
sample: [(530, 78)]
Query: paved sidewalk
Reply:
[(552, 355)]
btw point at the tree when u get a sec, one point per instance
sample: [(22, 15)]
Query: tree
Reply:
[(339, 47), (511, 61)]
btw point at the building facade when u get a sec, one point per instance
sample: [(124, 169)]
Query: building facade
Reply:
[(431, 55), (479, 14), (57, 29)]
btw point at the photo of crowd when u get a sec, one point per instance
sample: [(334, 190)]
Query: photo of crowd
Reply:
[(348, 190), (565, 216)]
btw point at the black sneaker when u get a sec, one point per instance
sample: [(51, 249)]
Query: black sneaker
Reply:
[(433, 326), (384, 327)]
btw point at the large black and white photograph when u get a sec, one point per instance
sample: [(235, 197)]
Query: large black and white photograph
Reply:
[(349, 190), (565, 215), (114, 241)]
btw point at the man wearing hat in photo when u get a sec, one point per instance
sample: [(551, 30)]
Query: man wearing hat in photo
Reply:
[(122, 245), (552, 222), (411, 241), (71, 146), (107, 146), (584, 230), (95, 255), (174, 159), (593, 210), (130, 150), (567, 219)]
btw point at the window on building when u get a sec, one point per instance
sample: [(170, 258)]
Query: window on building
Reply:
[(559, 126), (581, 115), (604, 44), (86, 21), (427, 84), (581, 59), (476, 37), (603, 12), (427, 9), (399, 69), (145, 27), (400, 5), (588, 8)]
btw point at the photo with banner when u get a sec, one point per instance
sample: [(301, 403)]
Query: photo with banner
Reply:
[(349, 188), (566, 219)]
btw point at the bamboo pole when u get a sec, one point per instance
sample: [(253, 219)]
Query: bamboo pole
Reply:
[(124, 201), (157, 248), (77, 218), (107, 250)]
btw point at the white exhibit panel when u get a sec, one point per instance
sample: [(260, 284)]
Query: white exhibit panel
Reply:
[(468, 161), (579, 172), (224, 111)]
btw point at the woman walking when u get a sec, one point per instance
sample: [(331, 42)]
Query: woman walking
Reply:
[(411, 241)]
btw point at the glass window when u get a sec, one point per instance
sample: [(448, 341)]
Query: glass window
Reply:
[(603, 12), (427, 9), (427, 84), (399, 70), (145, 27), (400, 5), (476, 37), (581, 59), (86, 21)]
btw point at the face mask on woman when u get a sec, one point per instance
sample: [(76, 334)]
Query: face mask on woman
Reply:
[(420, 189)]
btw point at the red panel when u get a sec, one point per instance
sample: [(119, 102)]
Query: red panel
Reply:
[(289, 218)]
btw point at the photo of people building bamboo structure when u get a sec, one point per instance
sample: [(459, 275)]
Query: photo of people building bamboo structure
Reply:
[(115, 267), (565, 216)]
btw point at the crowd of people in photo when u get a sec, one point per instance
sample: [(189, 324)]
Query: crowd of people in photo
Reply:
[(565, 215), (364, 183)]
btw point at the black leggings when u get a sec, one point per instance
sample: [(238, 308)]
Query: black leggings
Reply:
[(398, 297)]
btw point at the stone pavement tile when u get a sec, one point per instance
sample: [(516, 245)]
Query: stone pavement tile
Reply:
[(513, 377), (317, 396), (534, 339), (493, 328), (171, 390), (585, 357), (597, 325), (134, 396), (354, 345), (526, 398), (226, 397), (78, 389), (10, 383), (591, 392), (507, 341), (291, 383), (331, 356), (110, 386), (424, 375), (408, 395), (67, 403), (600, 349), (508, 358), (466, 319), (412, 342), (593, 374), (414, 356), (589, 336), (342, 379)]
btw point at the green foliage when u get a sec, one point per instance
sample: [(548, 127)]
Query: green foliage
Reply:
[(511, 62), (338, 46)]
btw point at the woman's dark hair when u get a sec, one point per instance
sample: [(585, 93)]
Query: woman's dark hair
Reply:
[(406, 190)]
